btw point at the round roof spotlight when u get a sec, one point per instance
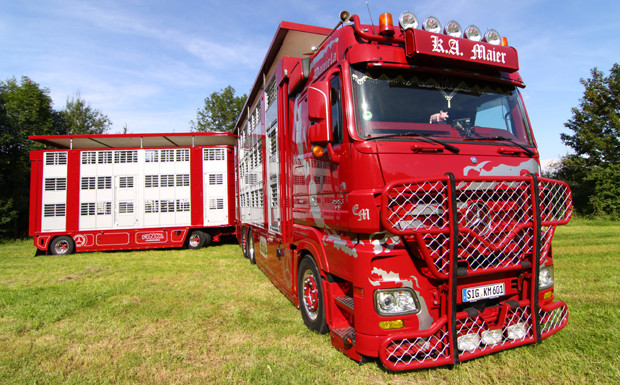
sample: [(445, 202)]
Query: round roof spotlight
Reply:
[(473, 33), (492, 37), (453, 28), (407, 20), (431, 24)]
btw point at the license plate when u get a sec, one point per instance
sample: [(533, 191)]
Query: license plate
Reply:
[(472, 294)]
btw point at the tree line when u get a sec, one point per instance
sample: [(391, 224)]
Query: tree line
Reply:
[(26, 109), (592, 170)]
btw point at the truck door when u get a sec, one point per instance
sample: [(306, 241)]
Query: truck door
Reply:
[(318, 190)]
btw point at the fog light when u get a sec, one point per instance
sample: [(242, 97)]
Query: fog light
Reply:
[(516, 331), (407, 20), (492, 37), (468, 342), (473, 33), (453, 28), (389, 325), (431, 24), (492, 337)]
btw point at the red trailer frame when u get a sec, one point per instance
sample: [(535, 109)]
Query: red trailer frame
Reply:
[(389, 186), (131, 191)]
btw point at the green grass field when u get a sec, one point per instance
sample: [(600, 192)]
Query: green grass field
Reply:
[(208, 316)]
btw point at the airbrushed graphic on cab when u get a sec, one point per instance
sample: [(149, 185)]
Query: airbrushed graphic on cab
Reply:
[(490, 168)]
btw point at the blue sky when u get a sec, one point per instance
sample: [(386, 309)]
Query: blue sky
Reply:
[(150, 64)]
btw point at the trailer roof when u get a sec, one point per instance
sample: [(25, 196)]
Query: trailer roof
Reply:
[(102, 141), (291, 39)]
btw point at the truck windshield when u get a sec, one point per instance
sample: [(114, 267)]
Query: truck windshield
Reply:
[(446, 108)]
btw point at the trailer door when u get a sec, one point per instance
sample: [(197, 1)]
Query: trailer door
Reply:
[(215, 186), (125, 194)]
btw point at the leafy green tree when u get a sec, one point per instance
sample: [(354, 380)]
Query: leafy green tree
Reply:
[(220, 111), (25, 109), (79, 117), (593, 170)]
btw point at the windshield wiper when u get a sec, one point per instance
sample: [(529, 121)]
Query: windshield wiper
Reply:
[(449, 147), (497, 138)]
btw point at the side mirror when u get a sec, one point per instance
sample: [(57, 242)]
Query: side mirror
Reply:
[(319, 112)]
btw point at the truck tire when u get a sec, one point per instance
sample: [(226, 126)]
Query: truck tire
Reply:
[(208, 240), (244, 242), (62, 245), (196, 239), (251, 249), (310, 293)]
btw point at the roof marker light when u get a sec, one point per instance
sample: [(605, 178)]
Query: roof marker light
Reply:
[(473, 33), (492, 37), (407, 20), (431, 24), (385, 24), (453, 28)]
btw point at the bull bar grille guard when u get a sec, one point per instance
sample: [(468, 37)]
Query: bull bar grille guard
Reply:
[(475, 226), (496, 221)]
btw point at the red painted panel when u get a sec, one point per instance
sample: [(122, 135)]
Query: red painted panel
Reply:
[(113, 239), (73, 190), (197, 205)]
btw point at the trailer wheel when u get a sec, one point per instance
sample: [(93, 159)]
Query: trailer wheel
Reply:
[(310, 293), (62, 245), (196, 239), (251, 250), (208, 240)]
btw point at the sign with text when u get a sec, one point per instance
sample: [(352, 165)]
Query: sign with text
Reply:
[(420, 42)]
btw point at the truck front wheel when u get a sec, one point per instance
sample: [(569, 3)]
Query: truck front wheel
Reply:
[(62, 245), (310, 293)]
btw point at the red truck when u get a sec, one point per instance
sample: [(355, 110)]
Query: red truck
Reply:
[(131, 191), (390, 187)]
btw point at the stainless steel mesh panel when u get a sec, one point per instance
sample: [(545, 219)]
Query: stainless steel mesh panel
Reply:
[(496, 219), (419, 350), (555, 201), (554, 319), (418, 206)]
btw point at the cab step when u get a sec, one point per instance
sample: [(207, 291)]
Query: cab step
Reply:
[(345, 303)]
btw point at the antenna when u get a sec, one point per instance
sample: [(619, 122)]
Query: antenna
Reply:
[(371, 19)]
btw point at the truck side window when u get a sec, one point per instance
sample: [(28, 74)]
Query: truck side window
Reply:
[(336, 109)]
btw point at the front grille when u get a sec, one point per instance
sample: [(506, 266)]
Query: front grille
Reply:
[(495, 220)]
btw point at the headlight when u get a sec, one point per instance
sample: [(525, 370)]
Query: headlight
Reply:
[(396, 302), (545, 278)]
